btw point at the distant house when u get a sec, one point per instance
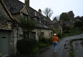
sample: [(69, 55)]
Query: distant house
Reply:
[(67, 24), (67, 21), (56, 25), (11, 29)]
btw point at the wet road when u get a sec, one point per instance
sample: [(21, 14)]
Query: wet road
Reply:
[(78, 48), (62, 49)]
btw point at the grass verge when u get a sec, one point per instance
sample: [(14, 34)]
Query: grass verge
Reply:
[(71, 53)]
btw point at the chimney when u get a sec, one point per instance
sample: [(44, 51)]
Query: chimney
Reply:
[(27, 2), (40, 11), (35, 14)]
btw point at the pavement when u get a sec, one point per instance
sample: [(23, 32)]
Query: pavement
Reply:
[(62, 48)]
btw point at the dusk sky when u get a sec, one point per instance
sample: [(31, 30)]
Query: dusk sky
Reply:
[(58, 6)]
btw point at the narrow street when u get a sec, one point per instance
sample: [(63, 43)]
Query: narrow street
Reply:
[(62, 50)]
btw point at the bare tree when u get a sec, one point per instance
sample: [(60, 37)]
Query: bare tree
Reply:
[(48, 12)]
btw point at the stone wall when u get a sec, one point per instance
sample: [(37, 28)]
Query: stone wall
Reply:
[(15, 35), (46, 33)]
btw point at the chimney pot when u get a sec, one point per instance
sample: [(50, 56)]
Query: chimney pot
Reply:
[(40, 11)]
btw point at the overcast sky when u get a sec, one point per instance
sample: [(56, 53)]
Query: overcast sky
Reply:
[(58, 6)]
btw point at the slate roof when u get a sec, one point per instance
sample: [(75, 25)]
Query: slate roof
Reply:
[(14, 6), (4, 18), (42, 26), (39, 16), (2, 14)]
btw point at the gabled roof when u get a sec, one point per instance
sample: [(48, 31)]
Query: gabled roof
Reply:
[(56, 25), (14, 6), (5, 17), (39, 15), (6, 10), (2, 13)]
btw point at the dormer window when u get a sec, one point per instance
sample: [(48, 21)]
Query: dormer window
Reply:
[(25, 16)]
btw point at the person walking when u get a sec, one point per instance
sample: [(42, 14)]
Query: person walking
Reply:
[(55, 40)]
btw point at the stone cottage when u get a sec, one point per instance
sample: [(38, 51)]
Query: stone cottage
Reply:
[(20, 10), (8, 31), (11, 29)]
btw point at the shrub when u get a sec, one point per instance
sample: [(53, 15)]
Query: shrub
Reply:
[(25, 46), (49, 41), (29, 46), (35, 49), (43, 42), (0, 54), (42, 45)]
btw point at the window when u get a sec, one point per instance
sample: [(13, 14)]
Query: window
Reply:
[(25, 17), (41, 34)]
